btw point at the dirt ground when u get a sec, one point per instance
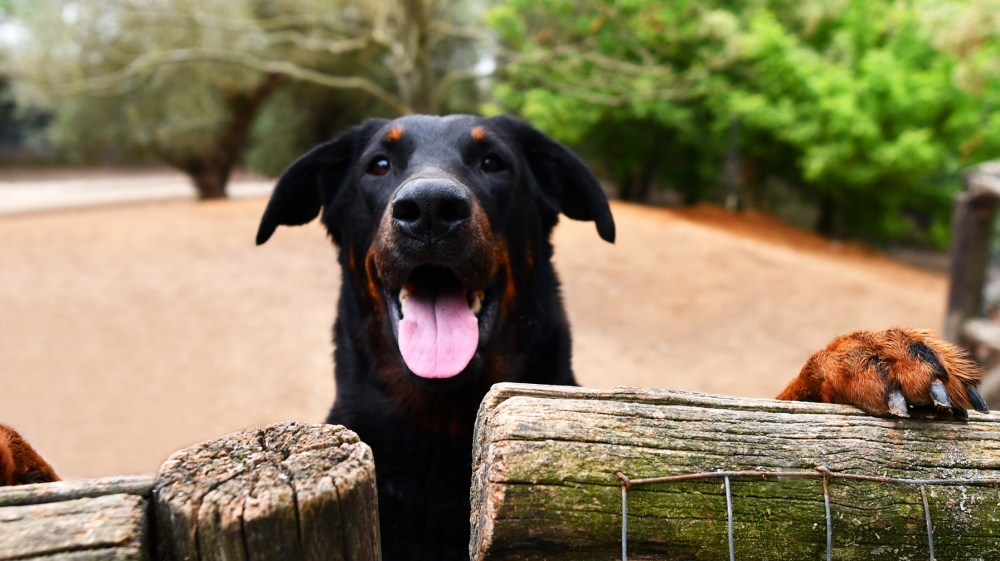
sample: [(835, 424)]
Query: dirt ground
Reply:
[(129, 332)]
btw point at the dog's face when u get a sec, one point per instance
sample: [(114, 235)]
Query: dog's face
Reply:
[(443, 224)]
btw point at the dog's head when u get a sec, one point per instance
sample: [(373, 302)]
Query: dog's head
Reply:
[(443, 224)]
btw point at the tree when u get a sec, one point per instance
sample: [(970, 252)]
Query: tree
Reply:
[(183, 81), (969, 32), (848, 105)]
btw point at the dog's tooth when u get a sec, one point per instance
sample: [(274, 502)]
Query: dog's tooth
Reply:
[(477, 302), (403, 295)]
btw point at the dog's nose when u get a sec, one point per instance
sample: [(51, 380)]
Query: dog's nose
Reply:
[(431, 207)]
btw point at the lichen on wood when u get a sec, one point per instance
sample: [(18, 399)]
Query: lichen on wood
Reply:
[(544, 484)]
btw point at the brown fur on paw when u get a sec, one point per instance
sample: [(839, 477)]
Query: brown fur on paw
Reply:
[(19, 463), (891, 372)]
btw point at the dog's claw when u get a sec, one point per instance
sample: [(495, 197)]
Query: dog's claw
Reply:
[(939, 395), (960, 413), (978, 403), (897, 404)]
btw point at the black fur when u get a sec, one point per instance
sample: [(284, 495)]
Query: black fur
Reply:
[(419, 429), (920, 351)]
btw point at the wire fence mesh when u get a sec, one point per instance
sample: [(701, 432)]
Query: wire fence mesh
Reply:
[(818, 472)]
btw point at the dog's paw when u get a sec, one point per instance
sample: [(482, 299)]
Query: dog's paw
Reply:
[(19, 463), (892, 373)]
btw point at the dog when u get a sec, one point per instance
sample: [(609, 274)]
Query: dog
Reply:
[(20, 464), (443, 227)]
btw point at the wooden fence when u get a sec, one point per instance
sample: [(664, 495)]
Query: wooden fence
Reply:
[(288, 491), (560, 473)]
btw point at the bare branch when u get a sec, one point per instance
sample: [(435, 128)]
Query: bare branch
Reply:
[(152, 60), (249, 26), (335, 47)]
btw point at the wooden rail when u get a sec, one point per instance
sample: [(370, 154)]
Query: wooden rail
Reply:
[(546, 459), (287, 491), (88, 519)]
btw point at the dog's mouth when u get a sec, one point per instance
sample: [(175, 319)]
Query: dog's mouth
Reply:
[(439, 322)]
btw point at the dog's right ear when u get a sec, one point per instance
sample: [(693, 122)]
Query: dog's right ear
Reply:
[(313, 181)]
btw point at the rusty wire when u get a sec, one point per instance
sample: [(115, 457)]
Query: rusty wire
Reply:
[(819, 471), (927, 517)]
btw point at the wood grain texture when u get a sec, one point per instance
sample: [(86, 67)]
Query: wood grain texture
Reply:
[(141, 485), (544, 484), (288, 491), (107, 527)]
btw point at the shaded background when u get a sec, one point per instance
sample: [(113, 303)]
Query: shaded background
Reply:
[(768, 157)]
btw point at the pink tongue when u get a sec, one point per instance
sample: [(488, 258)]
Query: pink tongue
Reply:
[(438, 335)]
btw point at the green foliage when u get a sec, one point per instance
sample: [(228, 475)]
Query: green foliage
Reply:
[(854, 107)]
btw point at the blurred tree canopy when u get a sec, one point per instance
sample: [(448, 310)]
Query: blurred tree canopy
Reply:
[(862, 110), (851, 116), (194, 83)]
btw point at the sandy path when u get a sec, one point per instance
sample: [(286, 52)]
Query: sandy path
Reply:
[(129, 332)]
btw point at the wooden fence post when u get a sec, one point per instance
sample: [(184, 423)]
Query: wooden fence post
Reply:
[(288, 491), (972, 232)]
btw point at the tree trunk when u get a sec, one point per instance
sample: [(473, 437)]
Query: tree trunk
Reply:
[(210, 181), (732, 166), (545, 483), (638, 186), (422, 74), (210, 171), (827, 223)]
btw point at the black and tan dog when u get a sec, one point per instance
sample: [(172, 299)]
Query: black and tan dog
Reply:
[(443, 226)]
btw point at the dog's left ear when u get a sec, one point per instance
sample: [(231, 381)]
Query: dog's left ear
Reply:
[(565, 182), (313, 181)]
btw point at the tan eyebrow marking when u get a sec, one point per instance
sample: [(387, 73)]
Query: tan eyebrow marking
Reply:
[(394, 134), (478, 134)]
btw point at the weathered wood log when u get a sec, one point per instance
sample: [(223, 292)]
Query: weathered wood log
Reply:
[(39, 493), (288, 491), (89, 519), (545, 459)]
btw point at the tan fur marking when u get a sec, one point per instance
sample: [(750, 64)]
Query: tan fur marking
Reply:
[(394, 134), (478, 134), (373, 291)]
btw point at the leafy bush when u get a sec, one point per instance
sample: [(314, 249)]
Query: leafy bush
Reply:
[(855, 108)]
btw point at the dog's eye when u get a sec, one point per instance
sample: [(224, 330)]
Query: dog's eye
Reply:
[(492, 163), (379, 166)]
